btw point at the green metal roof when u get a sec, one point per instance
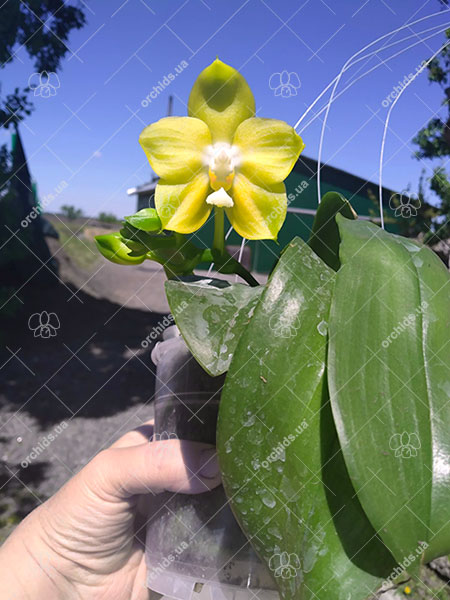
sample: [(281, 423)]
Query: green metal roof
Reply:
[(301, 188)]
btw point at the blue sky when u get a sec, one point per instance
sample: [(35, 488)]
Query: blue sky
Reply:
[(87, 133)]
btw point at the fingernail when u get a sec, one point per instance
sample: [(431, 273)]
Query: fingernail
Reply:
[(210, 468)]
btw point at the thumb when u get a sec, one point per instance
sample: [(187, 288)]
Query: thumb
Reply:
[(168, 465)]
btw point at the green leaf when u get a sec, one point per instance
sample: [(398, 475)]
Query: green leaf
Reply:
[(178, 255), (324, 239), (145, 220), (114, 248), (280, 459), (211, 315), (151, 242), (389, 365)]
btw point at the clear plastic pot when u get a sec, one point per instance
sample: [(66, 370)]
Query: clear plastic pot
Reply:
[(195, 539)]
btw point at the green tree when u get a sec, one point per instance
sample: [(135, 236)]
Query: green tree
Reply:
[(42, 27), (421, 215), (433, 142), (107, 217), (70, 212)]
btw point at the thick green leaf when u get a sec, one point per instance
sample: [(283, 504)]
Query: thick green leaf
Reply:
[(178, 255), (149, 241), (211, 315), (279, 455), (389, 380), (145, 220), (324, 239)]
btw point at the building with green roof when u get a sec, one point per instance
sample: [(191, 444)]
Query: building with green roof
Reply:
[(301, 188)]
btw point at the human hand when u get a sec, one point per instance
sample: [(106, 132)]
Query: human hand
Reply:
[(83, 543)]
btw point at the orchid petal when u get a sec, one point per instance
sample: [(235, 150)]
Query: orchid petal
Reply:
[(269, 149), (174, 147), (259, 211), (182, 207), (222, 99)]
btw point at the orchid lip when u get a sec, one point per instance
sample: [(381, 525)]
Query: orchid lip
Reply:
[(222, 159), (220, 198)]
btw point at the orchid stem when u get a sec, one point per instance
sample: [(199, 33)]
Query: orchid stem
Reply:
[(220, 257), (180, 238), (219, 233)]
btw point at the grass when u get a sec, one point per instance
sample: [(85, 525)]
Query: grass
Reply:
[(81, 249)]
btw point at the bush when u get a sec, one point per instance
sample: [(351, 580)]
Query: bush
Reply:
[(70, 212), (106, 217)]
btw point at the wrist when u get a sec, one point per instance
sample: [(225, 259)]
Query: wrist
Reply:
[(27, 566)]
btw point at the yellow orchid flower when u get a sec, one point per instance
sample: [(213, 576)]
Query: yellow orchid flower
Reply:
[(222, 155)]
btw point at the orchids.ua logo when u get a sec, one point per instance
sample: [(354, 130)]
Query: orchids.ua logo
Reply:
[(44, 202), (164, 436), (282, 326), (284, 565), (405, 445), (401, 84), (284, 84), (408, 320), (403, 565), (44, 324), (278, 452), (155, 571), (43, 444), (167, 210), (165, 322), (44, 84), (163, 83), (404, 204)]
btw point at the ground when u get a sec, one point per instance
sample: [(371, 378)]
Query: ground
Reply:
[(67, 396), (94, 375)]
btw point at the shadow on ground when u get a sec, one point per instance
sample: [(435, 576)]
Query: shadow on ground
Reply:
[(74, 374), (92, 366), (20, 497)]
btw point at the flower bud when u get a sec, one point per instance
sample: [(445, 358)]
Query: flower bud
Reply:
[(112, 246)]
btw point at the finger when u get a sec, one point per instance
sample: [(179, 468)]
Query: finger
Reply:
[(172, 465), (139, 435)]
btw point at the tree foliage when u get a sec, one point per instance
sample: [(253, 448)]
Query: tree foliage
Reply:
[(433, 142), (71, 212), (107, 217), (42, 27), (420, 222)]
